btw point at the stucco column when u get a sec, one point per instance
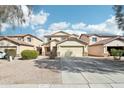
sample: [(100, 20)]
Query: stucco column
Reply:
[(85, 50), (18, 52), (43, 50), (105, 51)]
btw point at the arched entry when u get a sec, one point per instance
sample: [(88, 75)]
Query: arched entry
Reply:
[(39, 49)]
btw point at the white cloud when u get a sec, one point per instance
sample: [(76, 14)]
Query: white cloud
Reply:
[(108, 27), (59, 26), (39, 19), (40, 32), (78, 26), (78, 32), (34, 19), (4, 26)]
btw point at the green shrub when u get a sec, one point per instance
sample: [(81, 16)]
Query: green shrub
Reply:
[(117, 53), (29, 54), (10, 52)]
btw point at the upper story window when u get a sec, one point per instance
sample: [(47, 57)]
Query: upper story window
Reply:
[(29, 39), (63, 38), (94, 39), (48, 39), (19, 38)]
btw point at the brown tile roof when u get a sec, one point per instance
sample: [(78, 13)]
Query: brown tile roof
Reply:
[(75, 35), (73, 39), (88, 35), (102, 42), (61, 32), (15, 41), (23, 35)]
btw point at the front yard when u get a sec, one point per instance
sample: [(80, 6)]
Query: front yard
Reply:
[(63, 72), (25, 72)]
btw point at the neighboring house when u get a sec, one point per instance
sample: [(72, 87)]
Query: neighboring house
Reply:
[(53, 39), (72, 47), (60, 35), (103, 47), (100, 45), (93, 38), (19, 46), (27, 40)]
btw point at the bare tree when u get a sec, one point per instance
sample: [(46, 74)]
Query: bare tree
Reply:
[(12, 14), (119, 15)]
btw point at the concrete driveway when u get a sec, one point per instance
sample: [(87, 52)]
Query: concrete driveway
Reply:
[(86, 72), (62, 72)]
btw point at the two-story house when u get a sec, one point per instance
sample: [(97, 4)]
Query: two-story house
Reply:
[(101, 45), (93, 38), (20, 43), (62, 44)]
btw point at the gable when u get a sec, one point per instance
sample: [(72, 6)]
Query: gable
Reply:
[(71, 43), (115, 43), (7, 43), (60, 33)]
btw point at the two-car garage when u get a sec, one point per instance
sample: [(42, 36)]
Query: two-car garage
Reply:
[(71, 48), (71, 51)]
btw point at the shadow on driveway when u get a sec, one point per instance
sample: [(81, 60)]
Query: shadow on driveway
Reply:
[(92, 65)]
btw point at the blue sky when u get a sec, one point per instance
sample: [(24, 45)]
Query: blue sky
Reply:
[(84, 18)]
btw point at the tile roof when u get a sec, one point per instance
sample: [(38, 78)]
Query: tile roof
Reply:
[(15, 41), (73, 39), (51, 41), (105, 41), (88, 35), (22, 35)]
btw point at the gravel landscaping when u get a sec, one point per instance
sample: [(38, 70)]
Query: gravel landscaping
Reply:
[(62, 72)]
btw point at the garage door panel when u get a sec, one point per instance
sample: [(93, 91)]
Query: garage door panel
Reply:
[(2, 48), (71, 51)]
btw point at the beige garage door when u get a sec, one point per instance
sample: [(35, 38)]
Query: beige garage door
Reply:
[(69, 51), (2, 48)]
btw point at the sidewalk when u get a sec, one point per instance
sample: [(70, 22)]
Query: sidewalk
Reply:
[(113, 85)]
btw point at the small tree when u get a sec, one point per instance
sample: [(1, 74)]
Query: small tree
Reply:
[(117, 54)]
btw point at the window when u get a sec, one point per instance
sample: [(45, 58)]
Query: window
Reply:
[(48, 39), (48, 49), (94, 39), (63, 38), (19, 38), (29, 39)]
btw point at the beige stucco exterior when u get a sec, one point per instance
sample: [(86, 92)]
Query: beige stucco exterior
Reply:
[(71, 48), (53, 39), (53, 44), (91, 37), (115, 43), (34, 41), (88, 38), (5, 44), (58, 38), (101, 50), (21, 48)]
